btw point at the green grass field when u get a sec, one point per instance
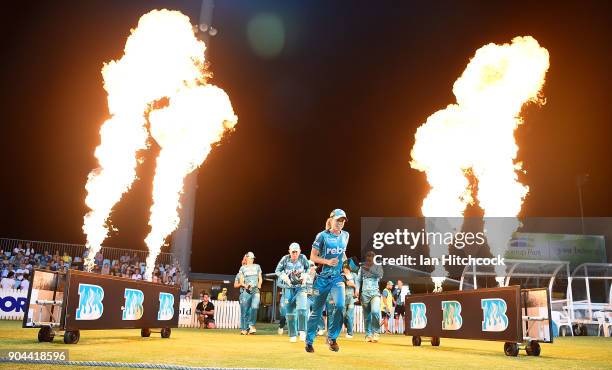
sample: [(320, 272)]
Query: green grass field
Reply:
[(226, 348)]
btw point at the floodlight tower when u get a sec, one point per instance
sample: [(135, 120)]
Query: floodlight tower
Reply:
[(182, 236)]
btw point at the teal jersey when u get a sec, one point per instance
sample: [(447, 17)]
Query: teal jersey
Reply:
[(293, 269), (329, 246), (368, 279), (348, 290), (250, 274)]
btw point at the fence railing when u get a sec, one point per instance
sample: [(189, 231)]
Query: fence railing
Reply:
[(78, 250)]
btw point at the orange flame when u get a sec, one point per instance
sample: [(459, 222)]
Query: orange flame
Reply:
[(477, 134), (162, 59)]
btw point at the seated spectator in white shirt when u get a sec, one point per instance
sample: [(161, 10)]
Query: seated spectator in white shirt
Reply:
[(25, 283), (8, 282), (136, 275)]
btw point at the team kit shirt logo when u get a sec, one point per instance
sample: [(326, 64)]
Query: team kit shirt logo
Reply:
[(330, 246)]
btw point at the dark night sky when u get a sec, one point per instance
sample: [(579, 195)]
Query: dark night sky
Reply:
[(328, 123)]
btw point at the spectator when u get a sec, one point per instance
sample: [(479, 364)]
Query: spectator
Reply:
[(66, 260), (18, 249), (387, 305), (206, 311), (18, 280), (135, 260), (222, 296), (136, 275), (8, 282), (99, 258), (44, 260), (8, 270), (77, 262), (22, 269), (105, 269), (25, 283)]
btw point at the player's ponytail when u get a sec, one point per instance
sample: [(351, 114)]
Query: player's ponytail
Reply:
[(328, 224)]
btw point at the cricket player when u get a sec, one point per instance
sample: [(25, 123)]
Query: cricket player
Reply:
[(249, 281), (349, 300), (368, 278), (292, 271), (328, 250)]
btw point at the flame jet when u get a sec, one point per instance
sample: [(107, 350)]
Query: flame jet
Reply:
[(161, 57), (195, 119), (477, 134)]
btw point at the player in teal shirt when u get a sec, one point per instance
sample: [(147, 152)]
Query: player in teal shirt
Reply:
[(249, 281), (368, 278), (328, 250), (292, 271), (349, 300)]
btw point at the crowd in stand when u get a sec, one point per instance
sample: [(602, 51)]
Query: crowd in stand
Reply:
[(17, 265)]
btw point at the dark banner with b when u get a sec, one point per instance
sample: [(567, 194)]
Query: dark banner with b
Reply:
[(95, 301), (485, 314)]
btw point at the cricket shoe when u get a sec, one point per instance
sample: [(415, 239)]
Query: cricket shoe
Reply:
[(293, 339), (309, 348), (303, 336), (333, 345)]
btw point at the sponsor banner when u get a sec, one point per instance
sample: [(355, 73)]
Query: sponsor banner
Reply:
[(13, 304), (486, 314), (417, 248), (576, 249), (96, 301)]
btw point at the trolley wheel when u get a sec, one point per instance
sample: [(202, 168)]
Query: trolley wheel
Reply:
[(145, 332), (45, 334), (165, 332), (533, 348), (511, 349), (416, 341), (435, 341), (72, 336)]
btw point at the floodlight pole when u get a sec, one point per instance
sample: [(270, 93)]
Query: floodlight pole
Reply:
[(182, 236)]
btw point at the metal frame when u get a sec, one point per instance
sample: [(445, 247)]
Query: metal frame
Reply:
[(590, 320), (552, 276)]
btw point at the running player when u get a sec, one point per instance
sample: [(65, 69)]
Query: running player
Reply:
[(328, 250), (349, 300), (368, 279), (249, 281), (292, 271)]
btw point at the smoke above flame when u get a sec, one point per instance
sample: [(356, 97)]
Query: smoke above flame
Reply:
[(163, 61), (477, 134)]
